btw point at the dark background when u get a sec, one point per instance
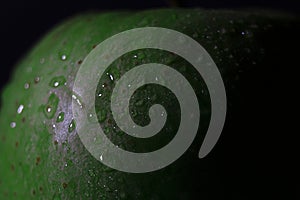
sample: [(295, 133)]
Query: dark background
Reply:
[(24, 22), (256, 163)]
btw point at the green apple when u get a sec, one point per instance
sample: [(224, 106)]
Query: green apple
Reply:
[(41, 154)]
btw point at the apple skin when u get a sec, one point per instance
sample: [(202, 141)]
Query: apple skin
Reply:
[(41, 154)]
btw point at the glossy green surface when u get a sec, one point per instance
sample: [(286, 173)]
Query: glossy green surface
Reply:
[(41, 155)]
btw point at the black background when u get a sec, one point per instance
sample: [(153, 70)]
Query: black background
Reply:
[(24, 22), (256, 163)]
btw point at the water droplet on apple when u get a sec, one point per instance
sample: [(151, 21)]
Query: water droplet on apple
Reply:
[(57, 81), (60, 117), (72, 126), (51, 106), (77, 100), (13, 124), (63, 57), (26, 86), (20, 109), (36, 80)]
